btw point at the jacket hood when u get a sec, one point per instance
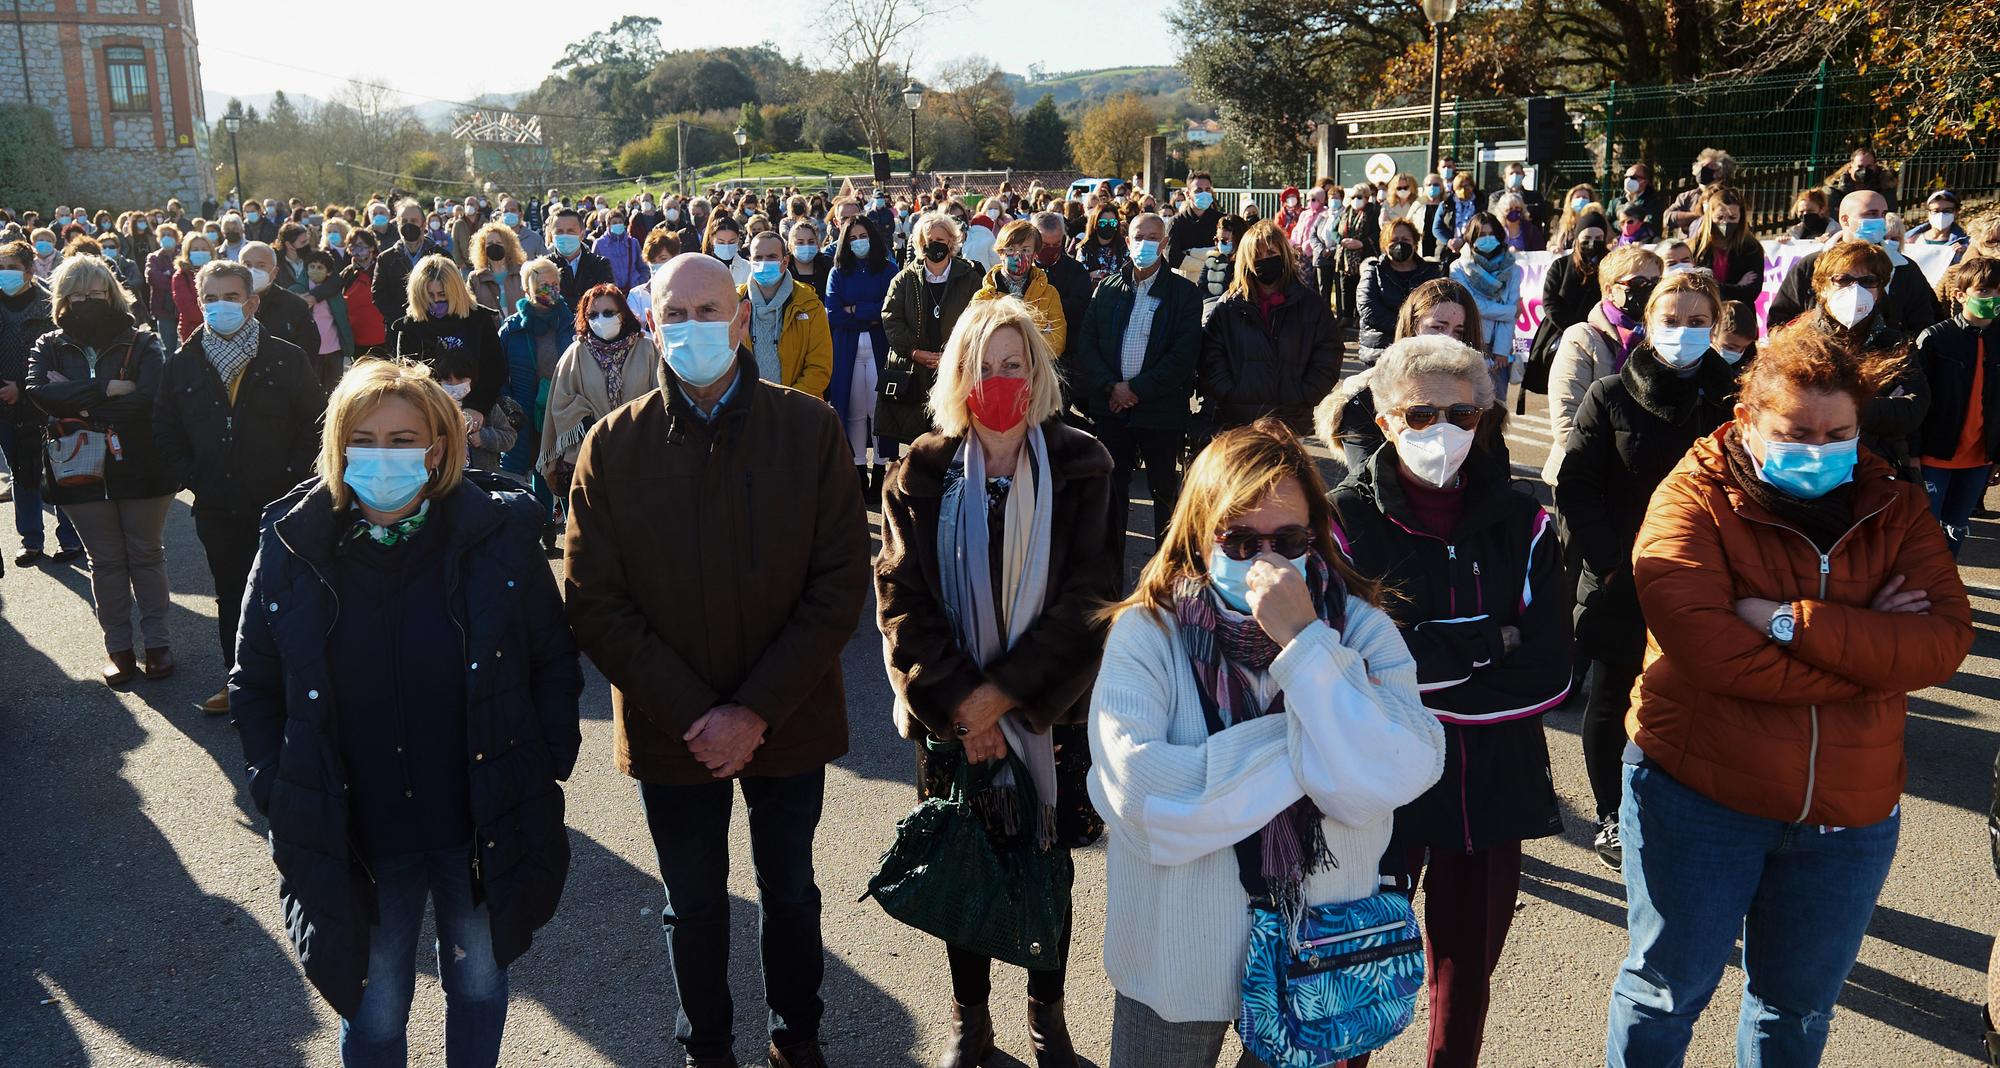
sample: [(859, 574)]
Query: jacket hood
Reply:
[(1073, 454), (1326, 416)]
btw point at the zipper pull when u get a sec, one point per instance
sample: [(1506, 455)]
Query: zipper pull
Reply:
[(1825, 564), (1475, 569), (1451, 551)]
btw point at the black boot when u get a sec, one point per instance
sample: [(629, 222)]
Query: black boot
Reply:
[(1050, 1033), (874, 483), (971, 1037)]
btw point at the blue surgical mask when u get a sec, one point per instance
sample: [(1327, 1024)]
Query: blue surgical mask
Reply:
[(510, 218), (334, 238), (767, 272), (45, 248), (698, 353), (618, 229), (1680, 347), (12, 281), (200, 257), (1203, 200), (1225, 247), (805, 253), (169, 242), (1809, 472), (1487, 244), (224, 317), (567, 244), (386, 479), (1578, 203), (1145, 254), (859, 246), (725, 251), (251, 216), (1434, 191), (1872, 231), (62, 221), (1231, 578), (379, 221)]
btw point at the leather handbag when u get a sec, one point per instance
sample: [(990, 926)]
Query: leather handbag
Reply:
[(902, 399), (945, 876)]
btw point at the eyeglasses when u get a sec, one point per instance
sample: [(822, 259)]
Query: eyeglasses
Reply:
[(1462, 416), (1242, 543), (1867, 281)]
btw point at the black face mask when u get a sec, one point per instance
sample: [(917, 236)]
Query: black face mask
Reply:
[(1708, 175), (93, 322), (1726, 229), (1637, 292), (411, 232), (496, 254), (937, 251), (1590, 250), (1401, 251), (1862, 173), (1268, 269)]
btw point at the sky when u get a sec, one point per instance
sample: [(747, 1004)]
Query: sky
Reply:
[(245, 56)]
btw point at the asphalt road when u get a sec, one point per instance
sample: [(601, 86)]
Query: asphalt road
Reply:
[(139, 922)]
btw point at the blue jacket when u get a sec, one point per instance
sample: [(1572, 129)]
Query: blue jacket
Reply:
[(522, 681), (524, 382), (628, 267), (863, 290), (1452, 215)]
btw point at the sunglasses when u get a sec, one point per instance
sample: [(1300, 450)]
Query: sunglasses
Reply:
[(1868, 281), (1641, 284), (1242, 543), (1462, 416), (603, 314)]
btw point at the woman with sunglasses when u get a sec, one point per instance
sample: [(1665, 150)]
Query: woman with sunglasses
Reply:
[(1254, 700), (1482, 601), (1101, 249), (611, 361), (1848, 281), (1438, 308), (1630, 431)]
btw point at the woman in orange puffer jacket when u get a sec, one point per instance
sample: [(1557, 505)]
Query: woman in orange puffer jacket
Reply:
[(1795, 592)]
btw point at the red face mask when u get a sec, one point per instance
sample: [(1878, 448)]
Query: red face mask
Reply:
[(999, 403), (1047, 255)]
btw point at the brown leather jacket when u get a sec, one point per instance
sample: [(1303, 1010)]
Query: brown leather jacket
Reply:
[(1806, 733), (718, 562)]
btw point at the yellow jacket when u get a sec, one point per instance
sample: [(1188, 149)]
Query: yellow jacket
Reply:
[(1041, 296), (805, 345)]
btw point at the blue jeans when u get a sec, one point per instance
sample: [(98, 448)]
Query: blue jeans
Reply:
[(22, 446), (475, 985), (1955, 494), (690, 827), (1698, 874)]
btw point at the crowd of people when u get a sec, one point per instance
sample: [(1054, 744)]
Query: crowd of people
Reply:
[(1315, 704)]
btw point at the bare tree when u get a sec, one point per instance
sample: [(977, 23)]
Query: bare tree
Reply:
[(871, 46)]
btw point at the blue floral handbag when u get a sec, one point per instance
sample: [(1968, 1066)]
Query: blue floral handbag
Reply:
[(1344, 984)]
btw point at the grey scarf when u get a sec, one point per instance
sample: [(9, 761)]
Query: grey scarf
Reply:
[(767, 321), (977, 614)]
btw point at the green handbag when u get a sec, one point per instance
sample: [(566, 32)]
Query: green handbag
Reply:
[(943, 876)]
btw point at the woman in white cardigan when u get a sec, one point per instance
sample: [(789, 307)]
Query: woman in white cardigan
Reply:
[(1252, 694), (612, 361)]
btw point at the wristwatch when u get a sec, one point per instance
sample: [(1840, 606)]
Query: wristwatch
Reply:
[(1782, 623)]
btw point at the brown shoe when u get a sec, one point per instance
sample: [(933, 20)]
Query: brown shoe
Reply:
[(119, 668), (802, 1055), (217, 705), (159, 662), (1050, 1033), (971, 1037)]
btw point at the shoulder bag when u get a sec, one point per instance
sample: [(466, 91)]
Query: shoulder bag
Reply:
[(77, 449)]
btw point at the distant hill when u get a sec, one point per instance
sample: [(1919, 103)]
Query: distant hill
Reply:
[(434, 114), (1076, 88)]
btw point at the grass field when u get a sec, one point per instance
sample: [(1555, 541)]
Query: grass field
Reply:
[(771, 165)]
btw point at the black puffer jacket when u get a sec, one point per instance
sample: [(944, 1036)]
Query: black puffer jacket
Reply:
[(1945, 354), (1629, 433), (477, 332), (1500, 568), (134, 470), (1380, 296), (24, 318), (1569, 291), (238, 457), (522, 680), (1252, 367)]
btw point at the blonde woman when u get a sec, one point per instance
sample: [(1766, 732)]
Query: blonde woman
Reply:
[(333, 236), (439, 313), (1400, 201), (476, 681), (1253, 699), (496, 268), (1270, 345), (991, 648), (1581, 199), (197, 249), (1017, 275)]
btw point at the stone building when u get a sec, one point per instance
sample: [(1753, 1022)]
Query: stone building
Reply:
[(122, 80)]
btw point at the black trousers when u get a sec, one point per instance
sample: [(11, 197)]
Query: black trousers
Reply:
[(1129, 446), (1604, 733), (230, 541)]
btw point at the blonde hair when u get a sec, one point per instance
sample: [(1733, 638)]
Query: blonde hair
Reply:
[(437, 267), (1625, 259), (76, 274), (335, 224), (959, 369), (501, 233), (1700, 283), (1261, 236), (535, 267), (363, 389)]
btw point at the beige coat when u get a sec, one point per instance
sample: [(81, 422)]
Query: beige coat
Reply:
[(577, 398), (488, 291), (1587, 352)]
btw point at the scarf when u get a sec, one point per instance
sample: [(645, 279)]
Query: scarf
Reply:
[(1222, 646), (610, 357), (989, 622), (1823, 519), (394, 534), (1486, 273), (767, 322), (540, 320), (1630, 331)]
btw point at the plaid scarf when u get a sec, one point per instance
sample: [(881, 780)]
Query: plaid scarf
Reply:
[(229, 355), (610, 357), (1223, 647)]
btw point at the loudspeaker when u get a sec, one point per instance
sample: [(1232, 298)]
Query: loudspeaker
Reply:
[(1547, 130), (880, 160)]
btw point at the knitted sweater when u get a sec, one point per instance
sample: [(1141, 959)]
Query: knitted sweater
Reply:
[(1354, 737)]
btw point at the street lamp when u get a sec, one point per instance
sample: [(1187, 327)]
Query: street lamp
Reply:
[(741, 140), (1438, 12), (913, 98), (233, 123)]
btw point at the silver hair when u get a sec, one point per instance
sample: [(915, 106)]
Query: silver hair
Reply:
[(1043, 220), (932, 219), (1412, 358)]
